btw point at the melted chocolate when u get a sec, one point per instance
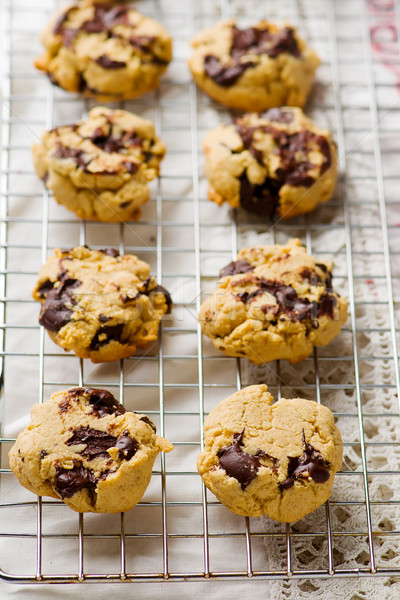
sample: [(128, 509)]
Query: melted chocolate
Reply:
[(69, 481), (97, 442), (127, 446), (62, 152), (289, 302), (236, 267), (103, 402), (149, 422), (245, 42), (263, 199), (260, 199), (105, 18), (262, 41), (57, 308), (238, 464), (142, 42), (45, 287), (309, 464), (107, 63), (225, 76), (112, 332)]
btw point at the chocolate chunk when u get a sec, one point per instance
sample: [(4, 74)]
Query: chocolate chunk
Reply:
[(149, 422), (283, 41), (236, 267), (237, 463), (142, 42), (108, 143), (97, 442), (57, 308), (43, 454), (127, 446), (310, 464), (45, 287), (224, 76), (103, 318), (69, 481), (62, 152), (112, 332), (103, 402), (288, 301), (328, 278), (166, 294), (65, 405), (106, 17), (110, 252), (107, 63), (263, 199), (278, 114), (131, 167)]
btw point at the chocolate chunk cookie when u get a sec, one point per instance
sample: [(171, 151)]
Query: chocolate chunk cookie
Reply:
[(273, 163), (273, 302), (254, 68), (83, 446), (99, 168), (99, 304), (270, 459), (105, 50)]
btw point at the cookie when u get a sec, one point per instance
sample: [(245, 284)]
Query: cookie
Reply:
[(273, 163), (99, 304), (255, 68), (99, 168), (83, 447), (270, 459), (273, 302), (104, 50)]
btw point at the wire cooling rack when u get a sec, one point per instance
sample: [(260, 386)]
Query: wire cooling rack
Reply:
[(179, 531)]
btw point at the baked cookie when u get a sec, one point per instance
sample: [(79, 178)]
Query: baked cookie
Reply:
[(99, 304), (83, 446), (254, 68), (99, 168), (105, 50), (277, 162), (273, 302), (270, 459)]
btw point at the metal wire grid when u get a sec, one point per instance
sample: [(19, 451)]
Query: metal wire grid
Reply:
[(217, 530)]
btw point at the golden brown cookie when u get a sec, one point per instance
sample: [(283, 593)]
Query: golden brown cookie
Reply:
[(99, 168), (99, 304), (254, 68), (270, 459), (274, 163), (105, 50), (273, 302), (83, 446)]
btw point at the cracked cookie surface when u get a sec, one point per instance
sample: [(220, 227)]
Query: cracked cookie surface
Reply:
[(270, 459), (273, 302), (255, 68), (273, 163), (99, 168), (99, 304), (83, 446), (105, 50)]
